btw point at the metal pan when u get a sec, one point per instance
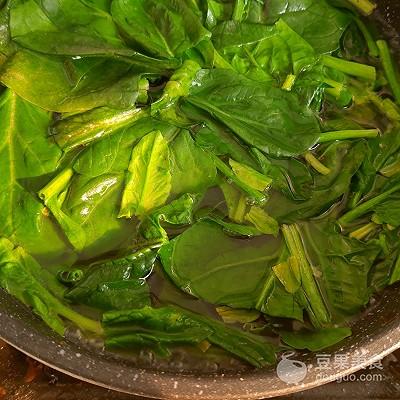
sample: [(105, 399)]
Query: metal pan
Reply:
[(376, 334)]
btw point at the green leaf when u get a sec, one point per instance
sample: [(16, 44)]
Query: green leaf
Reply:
[(178, 212), (53, 196), (171, 325), (306, 17), (25, 153), (287, 129), (343, 264), (344, 160), (262, 52), (232, 270), (148, 182), (148, 23), (193, 170), (73, 85), (116, 284), (315, 340), (25, 279), (74, 28)]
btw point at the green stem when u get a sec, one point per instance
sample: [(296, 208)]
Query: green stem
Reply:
[(239, 12), (56, 186), (372, 47), (316, 164), (366, 7), (364, 231), (391, 170), (351, 68), (84, 323), (366, 207), (348, 134), (385, 106), (266, 291), (389, 68), (255, 195), (315, 301), (289, 82)]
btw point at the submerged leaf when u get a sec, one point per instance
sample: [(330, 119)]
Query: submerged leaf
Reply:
[(148, 182)]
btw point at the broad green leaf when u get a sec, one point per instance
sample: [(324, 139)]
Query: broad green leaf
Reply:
[(172, 325), (25, 153), (24, 278), (53, 196), (288, 129), (232, 270), (73, 85), (316, 21), (164, 28), (74, 28), (315, 340), (193, 170), (264, 52), (148, 182), (116, 284)]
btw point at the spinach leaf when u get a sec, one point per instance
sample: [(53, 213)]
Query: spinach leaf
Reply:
[(171, 325), (164, 28), (148, 182), (315, 340), (344, 264), (116, 284), (288, 129), (193, 170), (25, 279), (26, 153), (263, 52), (388, 212), (73, 85), (74, 28), (343, 159), (316, 21), (231, 272)]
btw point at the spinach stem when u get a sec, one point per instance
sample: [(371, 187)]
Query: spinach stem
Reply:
[(385, 106), (364, 231), (239, 11), (255, 195), (372, 47), (367, 7), (366, 207), (289, 82), (315, 302), (391, 170), (348, 134), (57, 185), (350, 68), (316, 164), (266, 291), (389, 68)]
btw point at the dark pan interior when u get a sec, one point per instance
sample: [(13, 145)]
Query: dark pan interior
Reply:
[(376, 334)]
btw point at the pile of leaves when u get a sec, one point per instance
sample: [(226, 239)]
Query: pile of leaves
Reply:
[(160, 158)]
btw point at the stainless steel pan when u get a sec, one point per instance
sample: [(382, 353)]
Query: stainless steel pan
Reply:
[(376, 334)]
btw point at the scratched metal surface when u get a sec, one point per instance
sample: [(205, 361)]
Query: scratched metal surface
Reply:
[(52, 385)]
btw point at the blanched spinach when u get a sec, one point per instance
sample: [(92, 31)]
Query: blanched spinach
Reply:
[(235, 158)]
